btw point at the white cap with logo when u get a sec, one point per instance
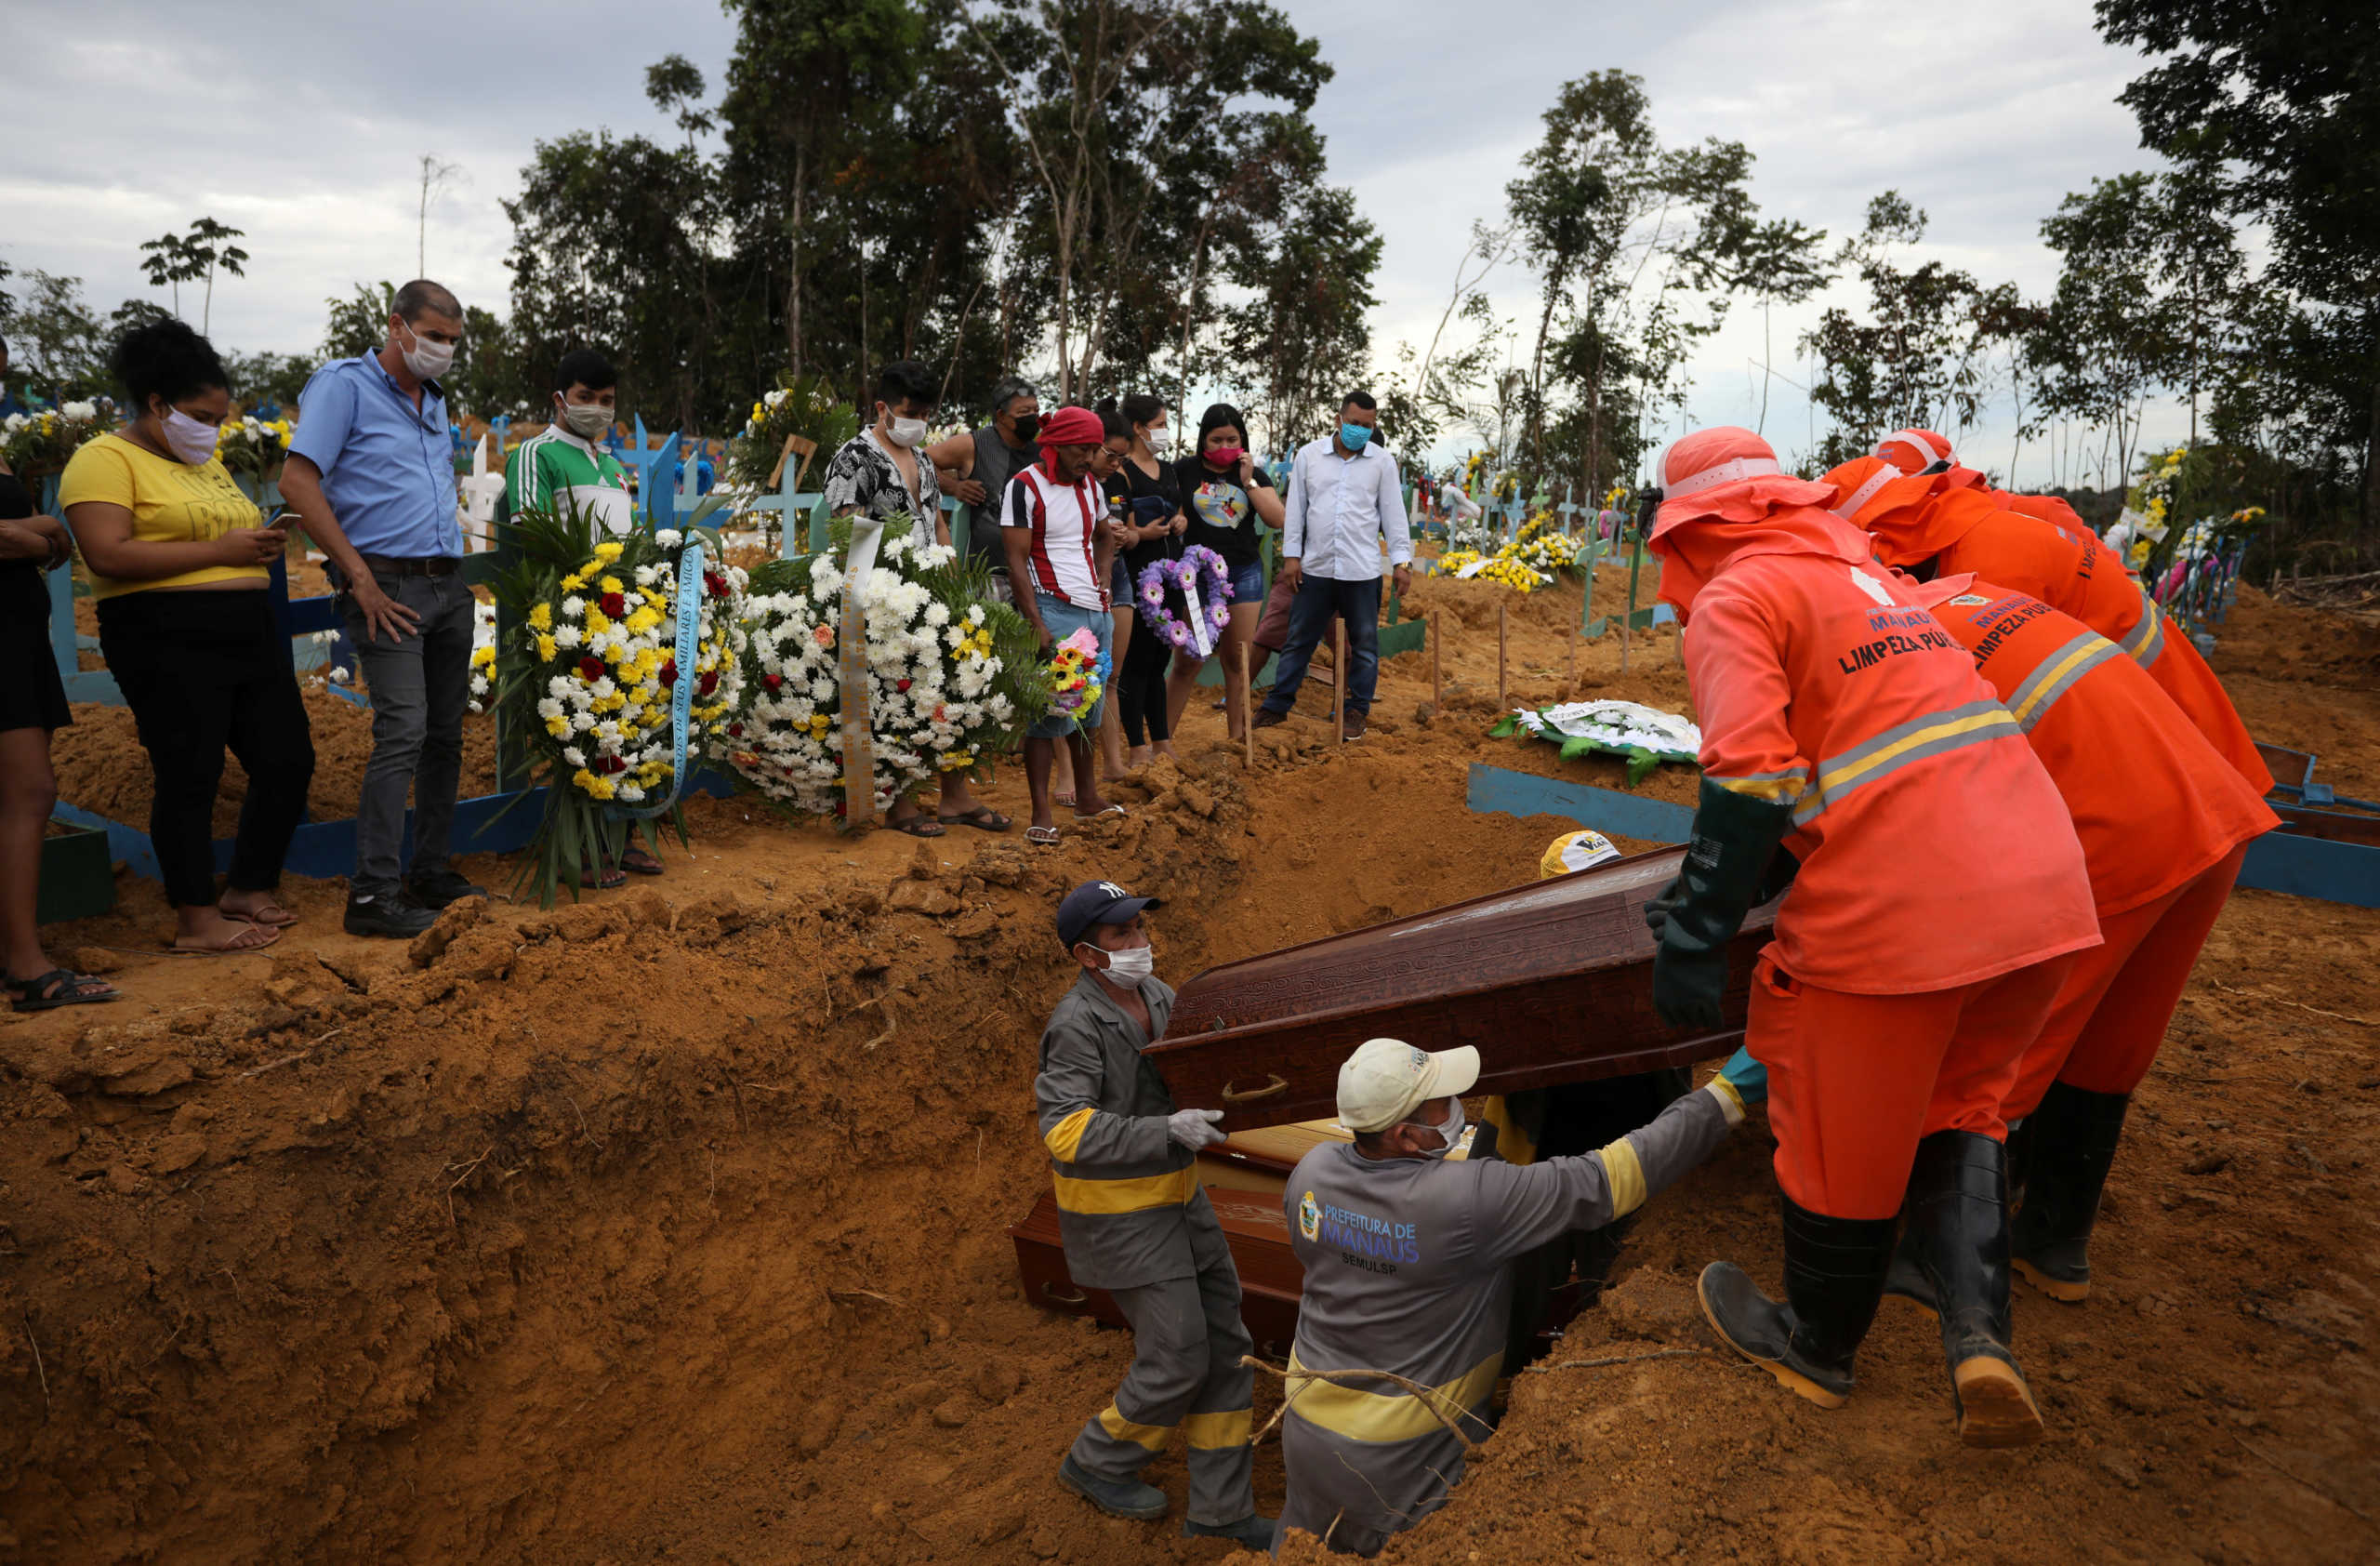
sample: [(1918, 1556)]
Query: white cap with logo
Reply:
[(1386, 1080)]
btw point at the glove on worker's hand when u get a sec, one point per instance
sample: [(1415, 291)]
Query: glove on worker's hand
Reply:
[(1696, 915), (1747, 1076), (1194, 1128)]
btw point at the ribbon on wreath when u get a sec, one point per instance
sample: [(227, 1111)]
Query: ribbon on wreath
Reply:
[(682, 695), (851, 655)]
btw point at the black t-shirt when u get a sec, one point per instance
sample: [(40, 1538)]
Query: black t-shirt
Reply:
[(1222, 516), (1150, 500)]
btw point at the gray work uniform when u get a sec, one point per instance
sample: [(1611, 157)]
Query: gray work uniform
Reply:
[(1136, 1223), (1405, 1272)]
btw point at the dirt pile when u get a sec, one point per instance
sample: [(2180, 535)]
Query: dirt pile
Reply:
[(671, 1225)]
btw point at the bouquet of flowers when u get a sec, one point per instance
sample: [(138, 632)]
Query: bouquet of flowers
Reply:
[(1078, 673), (950, 673), (806, 406), (1643, 736), (1542, 547), (1503, 566), (253, 445), (1209, 609), (588, 666), (37, 444)]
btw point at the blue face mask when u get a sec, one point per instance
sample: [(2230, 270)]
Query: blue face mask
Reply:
[(1355, 437)]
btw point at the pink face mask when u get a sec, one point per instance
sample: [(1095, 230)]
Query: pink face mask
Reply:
[(1226, 456)]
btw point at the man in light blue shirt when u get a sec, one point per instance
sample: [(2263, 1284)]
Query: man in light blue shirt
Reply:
[(1345, 498), (371, 478)]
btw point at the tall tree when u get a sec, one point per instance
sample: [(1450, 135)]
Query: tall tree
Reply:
[(1916, 361), (2279, 104), (194, 258)]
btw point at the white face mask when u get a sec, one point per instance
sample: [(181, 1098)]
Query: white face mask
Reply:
[(1451, 1131), (426, 359), (588, 421), (1159, 438), (908, 433), (192, 440), (1132, 965)]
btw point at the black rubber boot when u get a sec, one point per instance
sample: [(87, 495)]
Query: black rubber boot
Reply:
[(1958, 1210), (2074, 1144), (1907, 1276), (1834, 1277)]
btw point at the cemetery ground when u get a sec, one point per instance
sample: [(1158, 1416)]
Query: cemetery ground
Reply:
[(671, 1225)]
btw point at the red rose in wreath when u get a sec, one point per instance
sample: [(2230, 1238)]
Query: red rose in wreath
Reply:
[(707, 682), (670, 673), (772, 683), (590, 669)]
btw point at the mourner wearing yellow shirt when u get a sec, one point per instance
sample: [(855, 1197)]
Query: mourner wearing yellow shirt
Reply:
[(178, 562)]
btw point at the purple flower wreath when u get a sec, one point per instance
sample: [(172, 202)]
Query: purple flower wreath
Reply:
[(1214, 595)]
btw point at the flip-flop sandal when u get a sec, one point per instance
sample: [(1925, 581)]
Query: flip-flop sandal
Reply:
[(611, 878), (273, 916), (983, 818), (918, 826), (239, 945), (71, 989), (1065, 796), (1048, 837), (1102, 815), (636, 861)]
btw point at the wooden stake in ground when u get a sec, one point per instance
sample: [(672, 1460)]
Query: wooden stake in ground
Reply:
[(1501, 631), (1574, 658), (1339, 655), (1246, 705), (1437, 686)]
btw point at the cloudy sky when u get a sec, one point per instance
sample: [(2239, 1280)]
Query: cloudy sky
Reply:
[(303, 124)]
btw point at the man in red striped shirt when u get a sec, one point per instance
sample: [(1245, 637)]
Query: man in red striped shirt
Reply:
[(1054, 526)]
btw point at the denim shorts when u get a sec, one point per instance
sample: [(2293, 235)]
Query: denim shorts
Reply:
[(1248, 583), (1119, 585), (1064, 620)]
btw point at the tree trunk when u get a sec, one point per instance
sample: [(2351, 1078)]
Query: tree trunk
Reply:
[(793, 287), (1537, 378), (2372, 467)]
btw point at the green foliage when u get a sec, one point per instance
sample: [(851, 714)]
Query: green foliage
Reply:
[(808, 407)]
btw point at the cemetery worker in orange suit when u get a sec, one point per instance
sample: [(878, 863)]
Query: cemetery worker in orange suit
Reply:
[(2164, 822), (1136, 1222), (1925, 447), (1928, 529), (1940, 900)]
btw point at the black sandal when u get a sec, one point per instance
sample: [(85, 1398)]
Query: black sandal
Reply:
[(64, 988)]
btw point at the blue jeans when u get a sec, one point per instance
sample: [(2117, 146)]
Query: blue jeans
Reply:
[(420, 684), (1319, 598), (1064, 620), (1248, 584)]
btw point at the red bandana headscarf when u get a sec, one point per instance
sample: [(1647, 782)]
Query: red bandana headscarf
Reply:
[(1068, 426)]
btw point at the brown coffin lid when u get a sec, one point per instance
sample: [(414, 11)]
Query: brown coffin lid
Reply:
[(1551, 982)]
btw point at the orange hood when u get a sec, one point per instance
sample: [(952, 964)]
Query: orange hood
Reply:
[(1912, 517)]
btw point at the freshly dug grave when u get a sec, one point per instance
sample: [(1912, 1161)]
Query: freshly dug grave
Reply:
[(671, 1225)]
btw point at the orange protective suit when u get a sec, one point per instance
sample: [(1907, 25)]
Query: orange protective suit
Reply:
[(1912, 450), (1914, 521), (2163, 822), (1937, 862)]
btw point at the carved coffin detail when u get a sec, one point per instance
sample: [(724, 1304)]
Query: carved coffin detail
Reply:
[(1552, 982)]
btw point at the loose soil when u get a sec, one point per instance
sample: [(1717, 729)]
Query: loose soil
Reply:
[(671, 1225)]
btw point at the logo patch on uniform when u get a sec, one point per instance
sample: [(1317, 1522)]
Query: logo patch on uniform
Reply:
[(1870, 586), (1309, 1216), (1970, 598)]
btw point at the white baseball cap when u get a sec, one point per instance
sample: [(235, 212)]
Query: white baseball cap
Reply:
[(1386, 1080)]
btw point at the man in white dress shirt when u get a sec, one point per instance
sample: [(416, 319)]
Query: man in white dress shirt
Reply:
[(1345, 498)]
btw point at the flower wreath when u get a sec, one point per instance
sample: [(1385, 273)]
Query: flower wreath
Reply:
[(1183, 575)]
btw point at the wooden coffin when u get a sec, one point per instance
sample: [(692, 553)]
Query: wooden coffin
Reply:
[(1253, 1225), (1553, 983)]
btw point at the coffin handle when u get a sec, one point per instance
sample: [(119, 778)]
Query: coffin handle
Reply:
[(1273, 1085), (1049, 1292)]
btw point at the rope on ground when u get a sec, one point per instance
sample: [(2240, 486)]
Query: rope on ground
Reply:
[(2300, 1005), (1427, 1396), (1619, 1359), (2309, 1483)]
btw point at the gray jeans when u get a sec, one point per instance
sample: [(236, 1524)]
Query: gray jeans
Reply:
[(421, 686)]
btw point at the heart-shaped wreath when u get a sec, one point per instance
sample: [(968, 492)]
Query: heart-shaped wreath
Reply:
[(1206, 602)]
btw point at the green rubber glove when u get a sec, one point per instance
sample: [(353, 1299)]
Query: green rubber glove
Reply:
[(1695, 916), (1747, 1076)]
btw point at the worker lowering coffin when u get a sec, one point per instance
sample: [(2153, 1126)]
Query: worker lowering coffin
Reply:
[(1923, 525), (1927, 448), (2164, 822), (1136, 1222), (1939, 899), (1404, 1253)]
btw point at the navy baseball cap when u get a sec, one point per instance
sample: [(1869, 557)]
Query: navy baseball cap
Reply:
[(1097, 902)]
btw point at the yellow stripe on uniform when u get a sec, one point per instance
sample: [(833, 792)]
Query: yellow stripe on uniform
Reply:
[(1917, 740), (1731, 1103), (1627, 1176), (1126, 1196), (1064, 1139), (2146, 638), (1112, 1420), (1381, 1416), (1778, 788), (1214, 1432)]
